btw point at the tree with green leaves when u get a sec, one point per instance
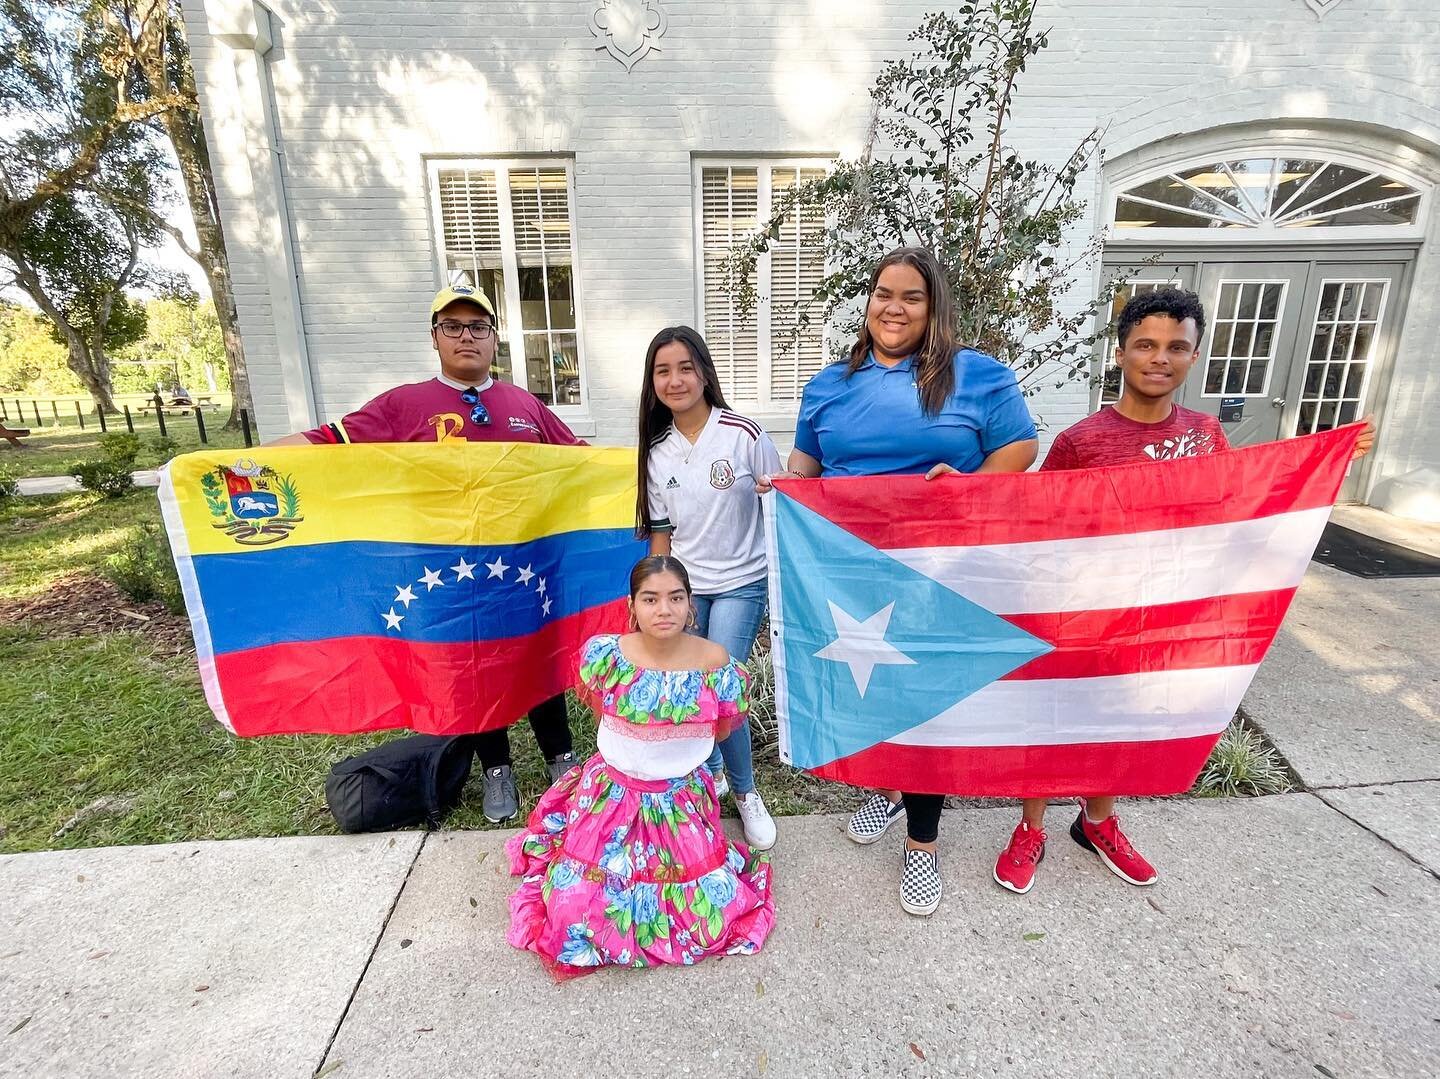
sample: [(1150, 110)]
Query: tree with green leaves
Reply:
[(31, 362), (95, 95), (75, 162), (938, 171)]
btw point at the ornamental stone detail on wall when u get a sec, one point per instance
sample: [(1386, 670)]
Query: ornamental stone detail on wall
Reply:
[(1322, 7), (628, 29)]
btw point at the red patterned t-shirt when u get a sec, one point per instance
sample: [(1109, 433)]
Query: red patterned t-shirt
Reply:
[(1108, 438)]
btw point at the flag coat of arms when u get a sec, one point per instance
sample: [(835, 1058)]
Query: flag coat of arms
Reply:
[(1036, 634), (443, 588)]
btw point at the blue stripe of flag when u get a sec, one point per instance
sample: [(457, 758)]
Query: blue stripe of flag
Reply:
[(304, 593)]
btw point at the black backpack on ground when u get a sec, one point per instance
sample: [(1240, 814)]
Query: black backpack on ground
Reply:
[(408, 781)]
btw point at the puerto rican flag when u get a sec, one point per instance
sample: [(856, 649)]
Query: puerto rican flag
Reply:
[(1041, 634)]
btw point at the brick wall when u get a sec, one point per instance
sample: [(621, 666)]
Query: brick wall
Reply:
[(366, 89)]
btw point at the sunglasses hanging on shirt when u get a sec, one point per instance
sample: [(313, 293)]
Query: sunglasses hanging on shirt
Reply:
[(478, 413)]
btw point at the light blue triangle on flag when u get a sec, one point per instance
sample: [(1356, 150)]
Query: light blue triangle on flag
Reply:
[(872, 647)]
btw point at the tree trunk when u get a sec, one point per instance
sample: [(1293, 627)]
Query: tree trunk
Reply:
[(92, 367), (165, 63), (86, 358)]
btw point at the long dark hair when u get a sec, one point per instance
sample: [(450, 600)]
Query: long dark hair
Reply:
[(935, 356), (655, 416)]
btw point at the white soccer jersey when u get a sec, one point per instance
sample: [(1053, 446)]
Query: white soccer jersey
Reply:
[(704, 495)]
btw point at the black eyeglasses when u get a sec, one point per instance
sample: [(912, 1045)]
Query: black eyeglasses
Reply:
[(478, 413), (481, 331)]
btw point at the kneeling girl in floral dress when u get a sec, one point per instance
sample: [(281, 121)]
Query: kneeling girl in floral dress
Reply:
[(624, 860)]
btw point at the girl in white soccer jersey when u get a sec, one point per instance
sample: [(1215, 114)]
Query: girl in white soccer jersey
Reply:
[(698, 466)]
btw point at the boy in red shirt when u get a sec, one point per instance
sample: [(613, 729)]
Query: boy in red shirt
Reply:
[(465, 403), (1158, 340)]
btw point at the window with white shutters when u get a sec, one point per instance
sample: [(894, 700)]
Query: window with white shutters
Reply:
[(729, 201), (767, 357), (508, 227)]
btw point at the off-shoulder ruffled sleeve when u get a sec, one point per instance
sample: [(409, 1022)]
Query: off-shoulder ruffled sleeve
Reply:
[(731, 685), (602, 664)]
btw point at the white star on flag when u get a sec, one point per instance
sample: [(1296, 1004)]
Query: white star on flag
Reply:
[(431, 580), (497, 568), (525, 575), (392, 620), (464, 571), (545, 607), (541, 589), (861, 645), (405, 595)]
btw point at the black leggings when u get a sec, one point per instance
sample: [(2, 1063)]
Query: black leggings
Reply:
[(922, 816), (552, 734)]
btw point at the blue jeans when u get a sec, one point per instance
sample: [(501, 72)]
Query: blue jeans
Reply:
[(732, 619)]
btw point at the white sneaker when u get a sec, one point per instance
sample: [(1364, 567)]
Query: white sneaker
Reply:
[(722, 785), (756, 820)]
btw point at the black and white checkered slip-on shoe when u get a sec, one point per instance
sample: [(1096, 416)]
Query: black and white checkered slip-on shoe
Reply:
[(873, 818), (920, 886)]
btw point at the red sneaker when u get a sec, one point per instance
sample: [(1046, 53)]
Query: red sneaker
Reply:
[(1109, 842), (1015, 868)]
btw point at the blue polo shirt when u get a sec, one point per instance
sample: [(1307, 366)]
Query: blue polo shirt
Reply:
[(871, 423)]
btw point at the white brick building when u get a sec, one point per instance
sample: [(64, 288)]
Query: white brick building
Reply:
[(1281, 153)]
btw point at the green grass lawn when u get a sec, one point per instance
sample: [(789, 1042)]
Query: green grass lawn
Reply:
[(117, 720), (50, 450), (43, 538)]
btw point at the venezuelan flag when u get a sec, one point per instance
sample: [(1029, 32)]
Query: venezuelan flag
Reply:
[(441, 588)]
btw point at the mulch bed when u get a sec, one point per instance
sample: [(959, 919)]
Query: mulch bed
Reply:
[(81, 605)]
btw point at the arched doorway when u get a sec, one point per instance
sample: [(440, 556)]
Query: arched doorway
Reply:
[(1303, 259)]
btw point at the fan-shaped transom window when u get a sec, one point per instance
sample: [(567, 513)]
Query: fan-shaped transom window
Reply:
[(1267, 192)]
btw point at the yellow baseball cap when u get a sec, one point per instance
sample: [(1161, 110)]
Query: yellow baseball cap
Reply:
[(450, 293)]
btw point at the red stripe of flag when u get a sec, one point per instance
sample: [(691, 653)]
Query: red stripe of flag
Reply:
[(453, 688), (1000, 508), (1218, 631), (1060, 771)]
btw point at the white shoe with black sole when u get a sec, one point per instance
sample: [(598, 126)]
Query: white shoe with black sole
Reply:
[(873, 818), (920, 887)]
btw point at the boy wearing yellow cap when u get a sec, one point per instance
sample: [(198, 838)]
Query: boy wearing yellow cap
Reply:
[(465, 403)]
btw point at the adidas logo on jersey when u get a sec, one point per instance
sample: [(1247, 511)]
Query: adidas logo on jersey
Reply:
[(672, 484)]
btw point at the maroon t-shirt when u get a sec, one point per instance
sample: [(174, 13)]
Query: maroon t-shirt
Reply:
[(433, 412), (1108, 438)]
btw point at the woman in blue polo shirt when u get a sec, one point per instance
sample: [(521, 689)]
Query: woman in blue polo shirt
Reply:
[(911, 400)]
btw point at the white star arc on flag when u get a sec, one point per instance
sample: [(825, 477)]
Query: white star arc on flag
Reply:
[(861, 645), (464, 570)]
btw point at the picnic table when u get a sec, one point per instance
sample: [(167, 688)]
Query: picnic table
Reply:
[(13, 435), (179, 406)]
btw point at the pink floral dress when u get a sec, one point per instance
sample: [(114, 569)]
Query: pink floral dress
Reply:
[(623, 871)]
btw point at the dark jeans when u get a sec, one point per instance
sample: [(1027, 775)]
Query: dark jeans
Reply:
[(922, 816), (552, 733)]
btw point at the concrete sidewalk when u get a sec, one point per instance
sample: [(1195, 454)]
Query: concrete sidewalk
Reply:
[(63, 485), (1291, 935), (1283, 939)]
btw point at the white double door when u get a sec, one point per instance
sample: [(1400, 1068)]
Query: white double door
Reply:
[(1292, 345)]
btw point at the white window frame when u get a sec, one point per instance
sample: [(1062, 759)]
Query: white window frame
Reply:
[(1215, 320), (764, 407), (1110, 343), (1385, 284), (1118, 236), (510, 263)]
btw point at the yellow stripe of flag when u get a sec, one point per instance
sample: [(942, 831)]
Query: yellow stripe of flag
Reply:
[(447, 493)]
